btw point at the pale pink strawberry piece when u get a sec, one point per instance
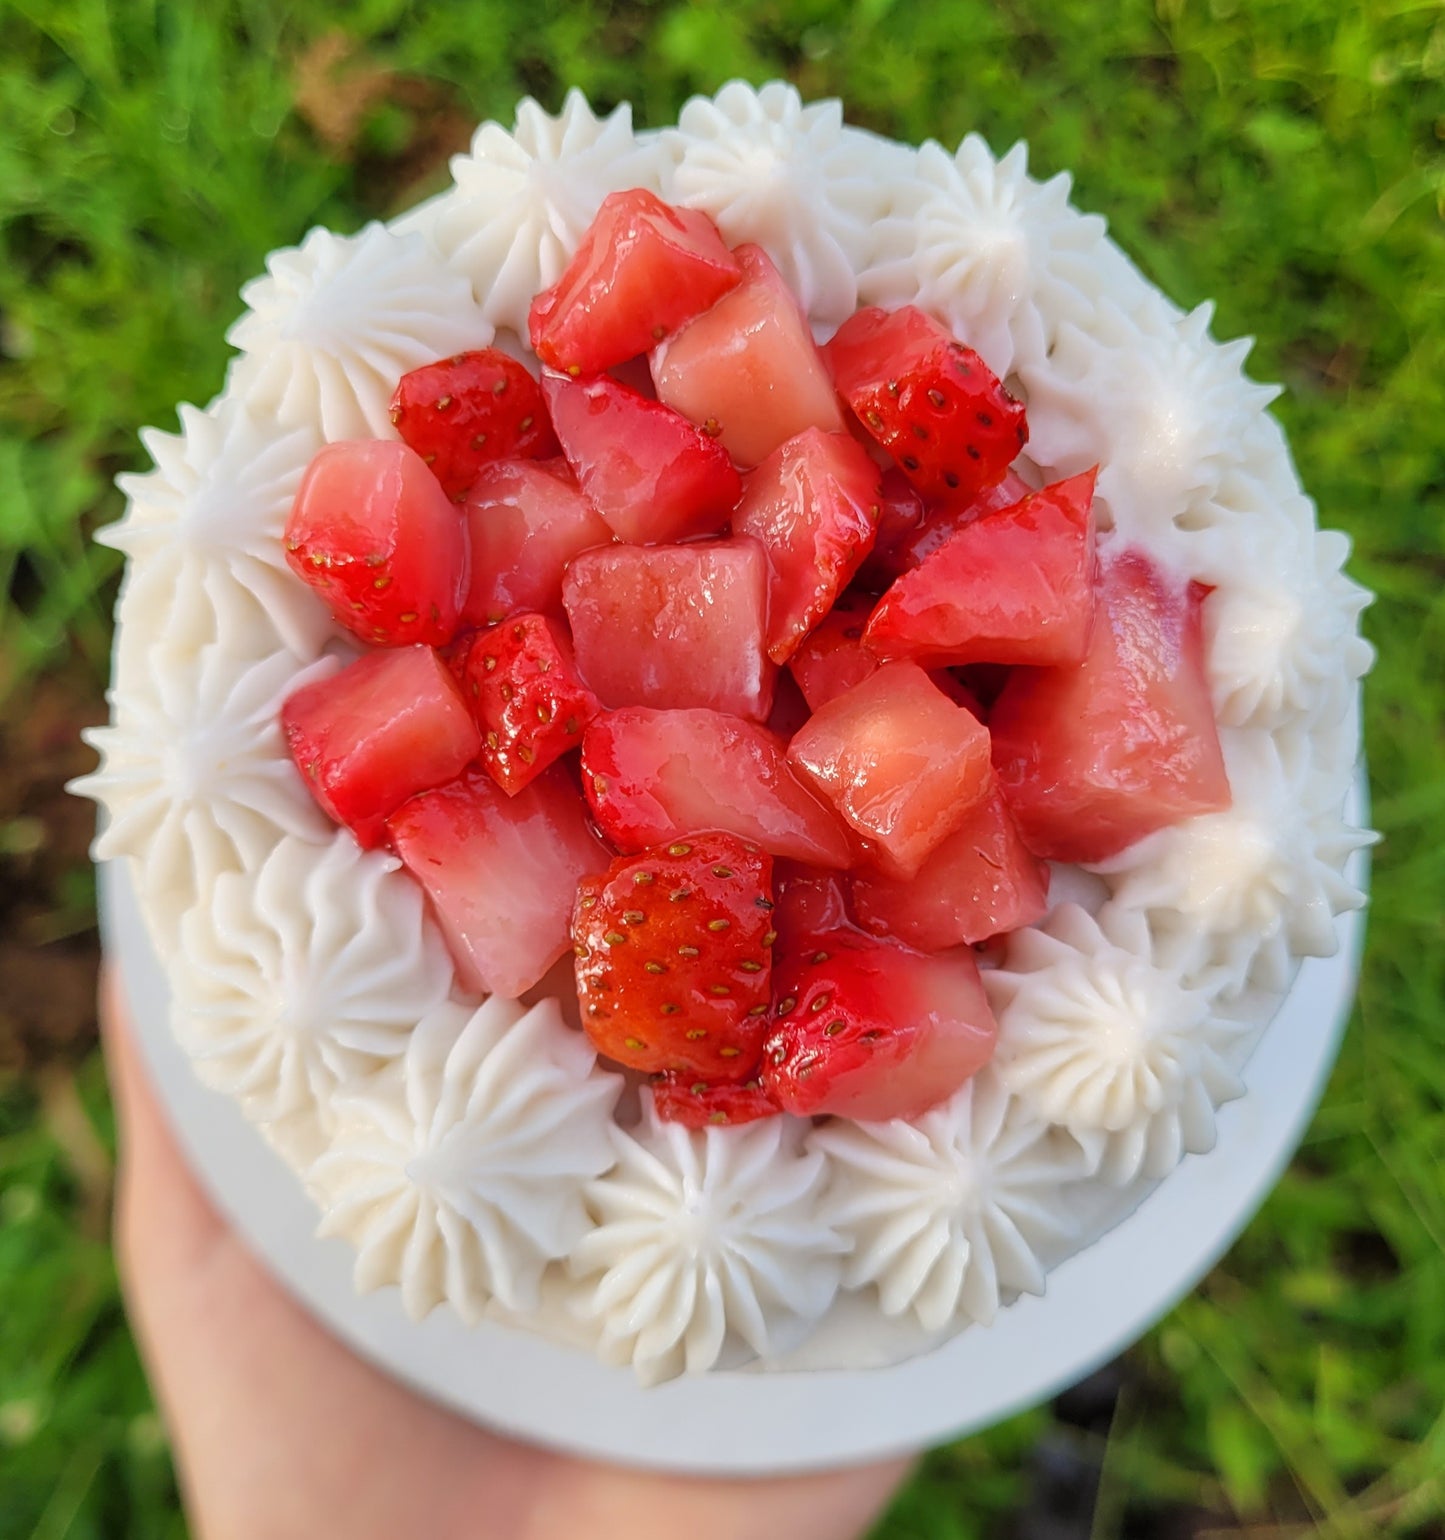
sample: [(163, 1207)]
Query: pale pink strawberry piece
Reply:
[(1014, 586), (386, 727), (831, 659), (654, 776), (374, 534), (813, 503), (501, 872), (866, 1027), (649, 473), (1094, 757), (642, 270), (748, 370), (900, 761), (981, 881), (526, 520), (673, 625)]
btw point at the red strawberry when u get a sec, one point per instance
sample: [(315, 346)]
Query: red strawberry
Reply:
[(697, 1103), (932, 403), (673, 959), (832, 658), (908, 544), (460, 413), (374, 535), (386, 727), (523, 688)]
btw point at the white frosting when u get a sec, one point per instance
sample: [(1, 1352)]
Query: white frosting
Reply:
[(1097, 1038), (305, 976), (794, 179), (523, 200), (340, 319), (950, 1217), (705, 1237), (1003, 259), (467, 1181)]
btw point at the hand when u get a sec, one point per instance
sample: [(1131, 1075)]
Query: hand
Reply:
[(280, 1432)]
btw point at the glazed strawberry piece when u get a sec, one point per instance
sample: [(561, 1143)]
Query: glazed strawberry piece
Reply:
[(651, 776), (908, 546), (1014, 586), (748, 370), (900, 518), (831, 659), (501, 872), (813, 504), (932, 403), (900, 761), (674, 960), (374, 534), (864, 1027), (695, 1103), (981, 881), (641, 271), (521, 683), (649, 473), (673, 625), (463, 412), (386, 727), (526, 521), (1095, 757)]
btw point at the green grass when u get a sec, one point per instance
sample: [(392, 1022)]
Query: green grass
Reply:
[(1284, 156)]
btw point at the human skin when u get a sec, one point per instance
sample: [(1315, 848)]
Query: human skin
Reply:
[(279, 1431)]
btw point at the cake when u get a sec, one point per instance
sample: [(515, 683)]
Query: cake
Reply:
[(476, 1152)]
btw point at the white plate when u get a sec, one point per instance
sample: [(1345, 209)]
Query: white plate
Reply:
[(734, 1423)]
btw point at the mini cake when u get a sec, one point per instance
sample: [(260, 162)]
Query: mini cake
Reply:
[(476, 1150)]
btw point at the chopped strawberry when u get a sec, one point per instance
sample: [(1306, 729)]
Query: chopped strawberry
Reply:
[(1094, 757), (527, 520), (831, 658), (748, 371), (980, 882), (386, 727), (899, 760), (673, 625), (377, 538), (931, 402), (501, 872), (643, 467), (869, 1028), (813, 503), (673, 957), (681, 1098), (642, 270), (936, 524), (790, 710), (900, 518), (460, 413), (522, 684), (651, 776), (1014, 586)]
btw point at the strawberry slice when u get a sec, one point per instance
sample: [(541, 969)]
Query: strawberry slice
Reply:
[(1094, 757), (831, 659), (981, 881), (696, 1103), (462, 412), (1014, 586), (501, 872), (641, 271), (932, 403), (905, 546), (386, 727), (813, 503), (651, 776), (673, 957), (864, 1027), (378, 539), (748, 371), (526, 521), (673, 625), (522, 684), (900, 761), (642, 466)]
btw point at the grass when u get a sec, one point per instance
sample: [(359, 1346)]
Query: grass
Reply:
[(1285, 156)]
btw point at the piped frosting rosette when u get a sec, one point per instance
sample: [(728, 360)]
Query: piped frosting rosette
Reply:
[(474, 1157)]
